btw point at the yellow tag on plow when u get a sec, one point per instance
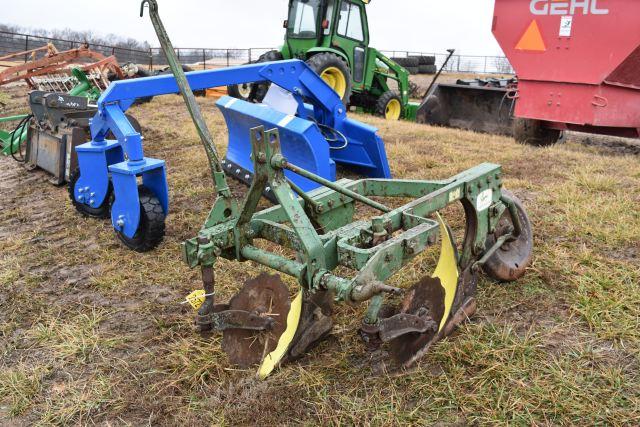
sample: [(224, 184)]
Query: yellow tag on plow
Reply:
[(293, 319), (196, 299), (447, 270)]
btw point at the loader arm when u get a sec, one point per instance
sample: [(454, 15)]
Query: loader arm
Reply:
[(400, 74), (298, 79)]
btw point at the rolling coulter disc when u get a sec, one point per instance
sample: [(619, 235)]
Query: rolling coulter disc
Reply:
[(268, 296), (510, 262), (428, 294)]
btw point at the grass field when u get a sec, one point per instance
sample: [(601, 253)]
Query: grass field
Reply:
[(91, 333)]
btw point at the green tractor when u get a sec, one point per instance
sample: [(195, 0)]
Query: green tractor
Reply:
[(332, 36)]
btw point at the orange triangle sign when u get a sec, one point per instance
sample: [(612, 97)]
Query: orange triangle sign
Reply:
[(532, 39)]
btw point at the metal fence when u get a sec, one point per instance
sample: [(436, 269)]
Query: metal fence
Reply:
[(199, 58), (16, 42), (462, 63)]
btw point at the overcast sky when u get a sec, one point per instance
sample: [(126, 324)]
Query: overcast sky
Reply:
[(416, 25)]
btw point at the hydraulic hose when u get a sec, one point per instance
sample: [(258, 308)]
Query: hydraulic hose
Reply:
[(16, 136)]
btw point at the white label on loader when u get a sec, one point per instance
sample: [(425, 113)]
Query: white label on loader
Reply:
[(484, 200), (566, 23)]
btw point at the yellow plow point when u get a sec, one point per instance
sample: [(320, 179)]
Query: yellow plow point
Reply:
[(447, 270), (293, 319)]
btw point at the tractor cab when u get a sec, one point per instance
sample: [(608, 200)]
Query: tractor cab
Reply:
[(338, 26)]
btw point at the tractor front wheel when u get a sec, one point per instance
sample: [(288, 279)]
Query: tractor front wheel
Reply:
[(335, 72), (389, 105), (242, 92)]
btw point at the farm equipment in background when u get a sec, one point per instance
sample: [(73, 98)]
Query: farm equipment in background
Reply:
[(333, 38), (478, 105), (577, 65), (10, 142), (52, 71), (260, 324), (58, 122)]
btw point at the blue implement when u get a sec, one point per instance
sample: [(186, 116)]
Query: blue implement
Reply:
[(316, 137)]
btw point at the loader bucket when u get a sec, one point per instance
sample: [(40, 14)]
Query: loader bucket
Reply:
[(353, 144), (302, 142), (476, 108)]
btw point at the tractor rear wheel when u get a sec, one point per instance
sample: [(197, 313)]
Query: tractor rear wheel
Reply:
[(150, 230), (389, 105), (335, 72), (259, 90)]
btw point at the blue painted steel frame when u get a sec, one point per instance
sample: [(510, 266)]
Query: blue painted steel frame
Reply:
[(124, 158)]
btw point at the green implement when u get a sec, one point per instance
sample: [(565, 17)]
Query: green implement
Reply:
[(320, 230)]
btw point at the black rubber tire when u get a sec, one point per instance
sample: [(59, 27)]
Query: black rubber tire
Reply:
[(101, 212), (259, 89), (413, 70), (426, 60), (533, 132), (186, 69), (427, 69), (322, 61), (383, 101), (510, 262), (234, 91), (407, 62), (152, 224)]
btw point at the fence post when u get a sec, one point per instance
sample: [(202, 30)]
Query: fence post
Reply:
[(485, 65), (250, 55), (204, 60), (26, 47), (150, 59), (227, 57)]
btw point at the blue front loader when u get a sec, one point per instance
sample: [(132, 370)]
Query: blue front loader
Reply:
[(316, 136)]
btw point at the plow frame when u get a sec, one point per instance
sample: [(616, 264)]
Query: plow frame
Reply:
[(377, 249)]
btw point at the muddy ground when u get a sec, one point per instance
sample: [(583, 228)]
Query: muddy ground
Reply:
[(91, 333)]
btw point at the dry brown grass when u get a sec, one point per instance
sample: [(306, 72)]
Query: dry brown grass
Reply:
[(92, 333)]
